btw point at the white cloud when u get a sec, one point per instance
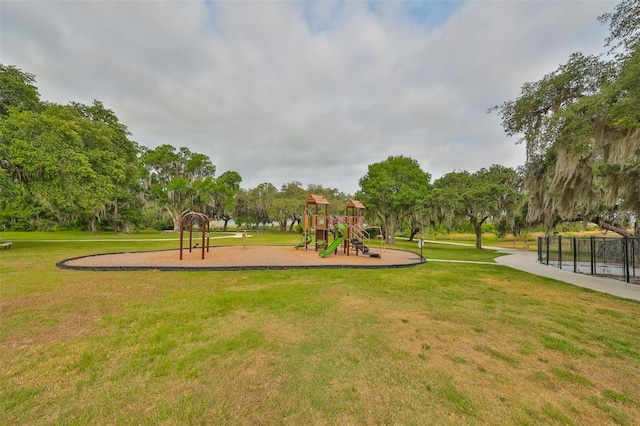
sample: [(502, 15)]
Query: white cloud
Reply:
[(312, 92)]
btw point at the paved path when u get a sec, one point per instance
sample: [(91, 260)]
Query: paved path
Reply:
[(527, 260)]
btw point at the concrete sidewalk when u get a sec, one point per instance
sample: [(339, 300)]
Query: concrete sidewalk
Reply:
[(526, 260)]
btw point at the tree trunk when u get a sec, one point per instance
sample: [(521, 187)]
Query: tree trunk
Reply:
[(477, 227), (93, 228), (175, 218), (414, 231), (226, 222), (392, 231), (548, 230), (293, 223)]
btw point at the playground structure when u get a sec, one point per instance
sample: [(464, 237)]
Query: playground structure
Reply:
[(203, 222), (348, 230)]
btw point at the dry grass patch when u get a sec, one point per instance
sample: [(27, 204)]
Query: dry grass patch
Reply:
[(76, 309), (509, 348)]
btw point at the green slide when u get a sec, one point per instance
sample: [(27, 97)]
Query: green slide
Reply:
[(309, 239), (342, 230)]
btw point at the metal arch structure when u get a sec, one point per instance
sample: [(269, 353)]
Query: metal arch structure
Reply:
[(190, 218)]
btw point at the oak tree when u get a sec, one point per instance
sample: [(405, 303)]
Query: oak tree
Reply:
[(391, 190), (486, 194)]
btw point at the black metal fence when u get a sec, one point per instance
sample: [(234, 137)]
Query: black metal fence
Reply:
[(617, 258)]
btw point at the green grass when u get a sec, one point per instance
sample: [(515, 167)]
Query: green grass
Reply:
[(434, 344), (86, 236)]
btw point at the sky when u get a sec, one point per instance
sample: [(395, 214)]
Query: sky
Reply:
[(314, 91)]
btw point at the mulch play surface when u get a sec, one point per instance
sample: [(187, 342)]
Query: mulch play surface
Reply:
[(240, 258)]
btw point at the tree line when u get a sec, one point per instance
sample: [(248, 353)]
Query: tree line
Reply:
[(75, 166)]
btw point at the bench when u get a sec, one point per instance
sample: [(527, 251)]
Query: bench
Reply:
[(6, 246)]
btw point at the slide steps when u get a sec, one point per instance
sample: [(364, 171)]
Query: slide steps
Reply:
[(364, 249)]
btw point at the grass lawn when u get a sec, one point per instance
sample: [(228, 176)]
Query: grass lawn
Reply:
[(438, 343)]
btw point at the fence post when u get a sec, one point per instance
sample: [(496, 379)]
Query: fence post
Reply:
[(540, 250), (592, 249), (548, 242), (559, 251), (626, 259), (575, 254), (634, 242)]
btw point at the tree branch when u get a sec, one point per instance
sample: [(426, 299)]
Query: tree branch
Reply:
[(611, 227)]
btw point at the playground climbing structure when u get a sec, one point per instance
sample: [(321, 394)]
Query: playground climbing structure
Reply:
[(316, 222), (348, 230), (357, 235)]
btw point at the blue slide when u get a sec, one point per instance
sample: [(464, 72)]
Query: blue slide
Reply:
[(341, 230)]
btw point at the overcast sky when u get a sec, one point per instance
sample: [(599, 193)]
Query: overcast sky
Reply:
[(314, 92)]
